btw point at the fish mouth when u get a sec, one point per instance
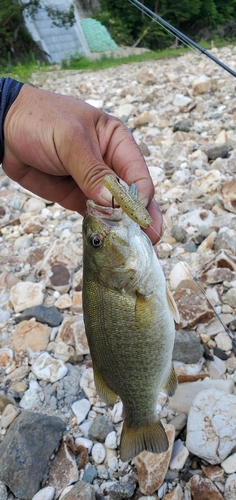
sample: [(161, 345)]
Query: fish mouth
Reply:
[(108, 215)]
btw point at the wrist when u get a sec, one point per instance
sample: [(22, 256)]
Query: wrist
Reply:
[(9, 90)]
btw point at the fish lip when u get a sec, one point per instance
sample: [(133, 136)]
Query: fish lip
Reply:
[(104, 213)]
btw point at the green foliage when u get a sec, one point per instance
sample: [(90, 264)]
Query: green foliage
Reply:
[(199, 19), (15, 40), (127, 24)]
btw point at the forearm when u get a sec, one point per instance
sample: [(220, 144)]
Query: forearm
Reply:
[(9, 90)]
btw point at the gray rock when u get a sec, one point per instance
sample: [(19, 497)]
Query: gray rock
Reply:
[(49, 315), (53, 403), (124, 488), (179, 423), (4, 316), (223, 241), (187, 347), (182, 126), (191, 247), (217, 152), (100, 427), (215, 116), (230, 297), (69, 385), (179, 234), (80, 491), (102, 472), (90, 474), (230, 487), (220, 353), (26, 451), (3, 492)]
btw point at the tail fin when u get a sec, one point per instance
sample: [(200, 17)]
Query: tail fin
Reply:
[(151, 438)]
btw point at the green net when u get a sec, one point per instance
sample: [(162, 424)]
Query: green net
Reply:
[(97, 36)]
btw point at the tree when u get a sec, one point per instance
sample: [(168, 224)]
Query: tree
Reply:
[(15, 39), (127, 24)]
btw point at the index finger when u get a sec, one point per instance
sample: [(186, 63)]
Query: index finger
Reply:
[(122, 154)]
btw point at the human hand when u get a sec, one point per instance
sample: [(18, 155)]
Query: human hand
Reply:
[(60, 148)]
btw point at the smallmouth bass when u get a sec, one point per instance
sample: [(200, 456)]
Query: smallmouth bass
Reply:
[(128, 315)]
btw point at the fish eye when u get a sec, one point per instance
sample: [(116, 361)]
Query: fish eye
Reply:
[(96, 240)]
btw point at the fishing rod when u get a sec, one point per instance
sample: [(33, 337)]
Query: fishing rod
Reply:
[(181, 36), (190, 44)]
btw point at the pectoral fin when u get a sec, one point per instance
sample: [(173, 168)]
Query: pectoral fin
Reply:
[(172, 305), (171, 382), (105, 393)]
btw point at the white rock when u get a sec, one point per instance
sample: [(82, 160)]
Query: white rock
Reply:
[(98, 453), (178, 273), (188, 369), (33, 384), (211, 430), (179, 177), (216, 368), (125, 110), (185, 393), (117, 412), (85, 426), (221, 138), (45, 494), (111, 440), (26, 294), (196, 218), (209, 182), (81, 409), (201, 84), (96, 103), (48, 368), (181, 101), (87, 384), (63, 351), (161, 491), (179, 456), (30, 400), (34, 205), (64, 301), (148, 497), (112, 463), (223, 341), (230, 487), (106, 485), (87, 443), (157, 175), (215, 326), (229, 464), (9, 413)]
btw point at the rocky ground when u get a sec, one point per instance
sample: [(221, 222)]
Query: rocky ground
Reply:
[(58, 439)]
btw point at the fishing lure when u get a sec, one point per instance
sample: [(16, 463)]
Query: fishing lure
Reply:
[(128, 201)]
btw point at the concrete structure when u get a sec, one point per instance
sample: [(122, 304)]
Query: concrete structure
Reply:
[(57, 43)]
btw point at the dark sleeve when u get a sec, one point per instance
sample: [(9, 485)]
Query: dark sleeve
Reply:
[(9, 90)]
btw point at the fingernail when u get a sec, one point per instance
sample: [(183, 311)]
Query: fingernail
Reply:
[(106, 195), (144, 200)]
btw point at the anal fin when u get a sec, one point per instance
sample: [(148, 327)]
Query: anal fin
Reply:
[(151, 437), (106, 394), (171, 382)]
